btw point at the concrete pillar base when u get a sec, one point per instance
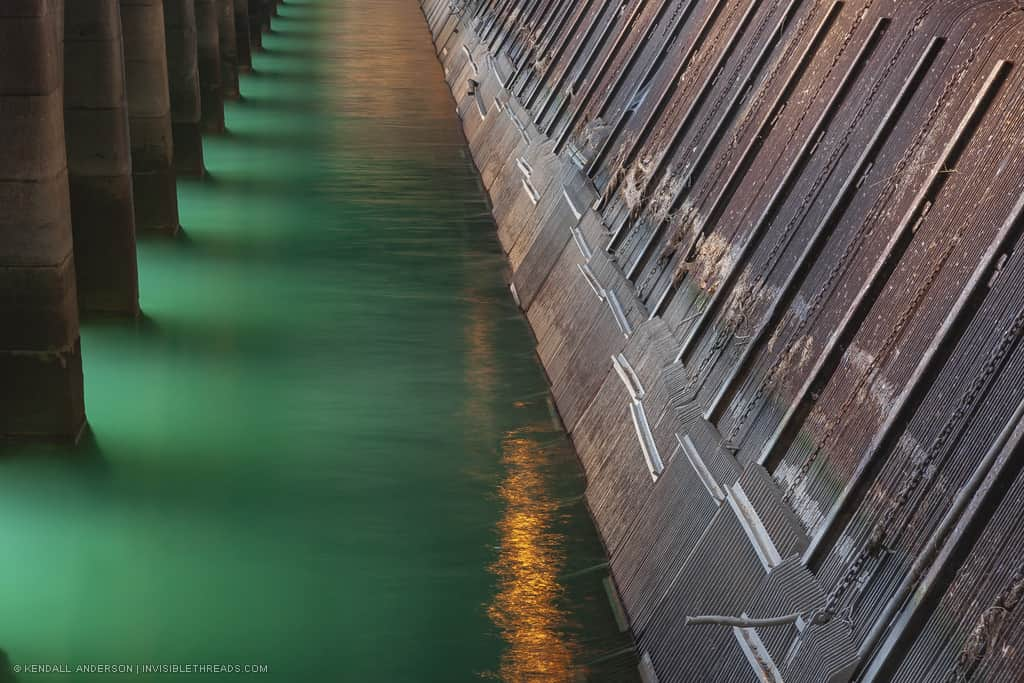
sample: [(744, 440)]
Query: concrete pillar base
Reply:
[(211, 92), (183, 78), (259, 21), (99, 159), (153, 177), (41, 396), (149, 112), (256, 30), (266, 9), (104, 251), (156, 201), (188, 149), (242, 35), (213, 109), (228, 49)]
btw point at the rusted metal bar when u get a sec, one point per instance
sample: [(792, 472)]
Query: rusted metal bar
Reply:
[(683, 126), (553, 10), (556, 35), (567, 39), (938, 351), (494, 20), (537, 15), (523, 21), (944, 553)]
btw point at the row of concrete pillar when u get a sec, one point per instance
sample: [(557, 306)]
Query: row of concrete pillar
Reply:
[(102, 104)]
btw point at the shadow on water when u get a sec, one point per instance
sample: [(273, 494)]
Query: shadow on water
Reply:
[(284, 22), (83, 461), (268, 140), (295, 74), (294, 34), (252, 184), (275, 105), (6, 669), (287, 52)]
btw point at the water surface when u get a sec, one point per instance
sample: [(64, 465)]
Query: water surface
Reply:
[(328, 449)]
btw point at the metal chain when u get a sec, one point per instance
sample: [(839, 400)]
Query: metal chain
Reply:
[(853, 246), (654, 141), (461, 8), (883, 530), (688, 220), (837, 426), (660, 211), (724, 333), (986, 629)]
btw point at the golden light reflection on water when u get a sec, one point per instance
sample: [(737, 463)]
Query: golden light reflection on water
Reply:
[(526, 608)]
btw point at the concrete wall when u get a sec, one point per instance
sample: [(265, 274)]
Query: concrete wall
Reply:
[(770, 254)]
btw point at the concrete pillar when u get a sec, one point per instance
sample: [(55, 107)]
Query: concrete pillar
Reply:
[(183, 81), (99, 159), (242, 35), (228, 48), (40, 354), (210, 86), (269, 9), (149, 116), (256, 24)]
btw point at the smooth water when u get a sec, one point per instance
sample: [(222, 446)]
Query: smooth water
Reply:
[(328, 450)]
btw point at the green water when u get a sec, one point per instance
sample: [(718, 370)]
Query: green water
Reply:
[(328, 450)]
